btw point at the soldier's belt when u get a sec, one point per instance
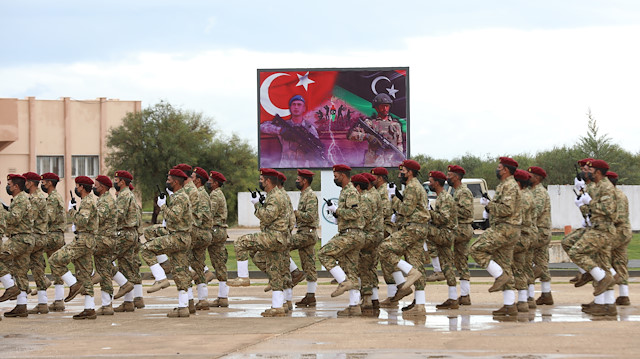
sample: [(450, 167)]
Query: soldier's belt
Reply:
[(352, 230)]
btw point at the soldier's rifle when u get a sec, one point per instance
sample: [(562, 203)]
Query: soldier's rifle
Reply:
[(383, 141), (300, 135), (160, 193), (257, 193)]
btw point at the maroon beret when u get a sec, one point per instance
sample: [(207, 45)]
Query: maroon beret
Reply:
[(521, 175), (50, 176), (438, 175), (183, 167), (217, 176), (104, 180), (598, 164), (31, 176), (508, 161), (410, 164), (538, 171), (15, 176), (130, 186), (371, 178), (456, 169), (84, 180), (359, 178), (124, 174), (583, 162), (177, 173), (281, 176), (269, 172), (202, 173), (380, 171), (612, 175), (341, 168), (305, 173)]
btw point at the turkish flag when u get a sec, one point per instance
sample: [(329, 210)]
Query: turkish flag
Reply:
[(277, 88)]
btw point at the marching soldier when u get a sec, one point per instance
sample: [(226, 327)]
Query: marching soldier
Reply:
[(14, 254), (619, 257), (542, 237), (80, 251), (105, 241), (217, 249), (385, 190), (200, 235), (374, 234), (522, 271), (494, 249), (56, 225)]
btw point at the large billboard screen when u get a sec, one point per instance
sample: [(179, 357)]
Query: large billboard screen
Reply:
[(315, 118)]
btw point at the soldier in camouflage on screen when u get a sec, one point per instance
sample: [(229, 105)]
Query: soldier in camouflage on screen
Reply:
[(217, 249)]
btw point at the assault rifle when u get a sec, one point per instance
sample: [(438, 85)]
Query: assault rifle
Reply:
[(298, 134), (383, 141)]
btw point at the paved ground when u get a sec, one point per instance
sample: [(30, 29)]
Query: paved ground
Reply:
[(239, 331)]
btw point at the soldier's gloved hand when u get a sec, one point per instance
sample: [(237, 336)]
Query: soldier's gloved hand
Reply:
[(391, 189), (161, 201), (485, 214), (429, 206), (584, 223), (72, 204), (254, 198), (424, 246), (73, 228), (484, 201), (586, 199), (5, 206), (579, 185), (393, 218), (164, 222), (169, 192), (588, 221), (398, 194), (332, 208), (578, 202), (262, 198)]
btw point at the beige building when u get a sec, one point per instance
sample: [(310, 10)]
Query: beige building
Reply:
[(64, 136)]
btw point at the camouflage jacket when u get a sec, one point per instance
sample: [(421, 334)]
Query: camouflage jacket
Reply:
[(191, 191), (86, 216), (444, 213), (18, 217), (385, 203), (414, 208), (603, 206), (39, 211), (622, 208), (274, 213), (290, 214), (505, 205), (464, 204), (591, 190), (201, 209), (3, 222), (218, 208), (542, 203), (527, 208), (177, 212), (369, 205), (56, 215), (127, 209), (307, 212), (348, 213), (107, 215)]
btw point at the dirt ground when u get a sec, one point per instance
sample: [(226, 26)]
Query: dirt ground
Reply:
[(559, 331)]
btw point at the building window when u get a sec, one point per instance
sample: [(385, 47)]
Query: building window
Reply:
[(54, 164), (84, 166)]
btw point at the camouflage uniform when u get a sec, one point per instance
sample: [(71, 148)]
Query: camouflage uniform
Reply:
[(619, 258), (413, 217), (376, 155), (293, 154), (305, 238), (217, 249), (14, 255), (522, 270), (39, 215), (464, 231), (80, 251), (569, 240), (444, 220), (200, 233), (56, 225), (127, 241), (389, 227), (373, 233), (105, 240), (177, 243), (540, 240), (272, 240), (497, 242), (344, 248)]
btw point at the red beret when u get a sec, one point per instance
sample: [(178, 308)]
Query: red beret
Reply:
[(583, 162), (341, 168), (612, 175), (359, 178), (124, 174), (437, 175), (104, 180), (598, 164), (177, 173), (369, 176), (456, 169), (305, 173), (31, 176), (508, 161), (183, 167), (269, 172), (538, 171), (380, 171), (130, 186), (202, 173), (16, 176), (410, 164), (84, 180), (217, 176), (50, 176), (281, 176), (521, 175)]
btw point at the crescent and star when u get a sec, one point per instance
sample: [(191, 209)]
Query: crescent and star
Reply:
[(265, 100), (391, 90)]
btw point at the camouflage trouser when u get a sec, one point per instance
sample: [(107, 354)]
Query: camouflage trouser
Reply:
[(218, 252), (37, 263), (273, 248), (127, 243), (441, 239), (137, 261), (80, 252), (619, 257), (304, 240), (407, 242), (368, 262), (462, 235), (496, 243), (200, 240), (55, 241), (343, 250), (14, 259), (522, 270), (176, 246), (103, 259), (570, 239), (592, 249), (540, 240), (150, 233), (388, 278), (259, 258)]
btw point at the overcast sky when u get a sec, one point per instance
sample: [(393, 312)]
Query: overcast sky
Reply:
[(486, 77)]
